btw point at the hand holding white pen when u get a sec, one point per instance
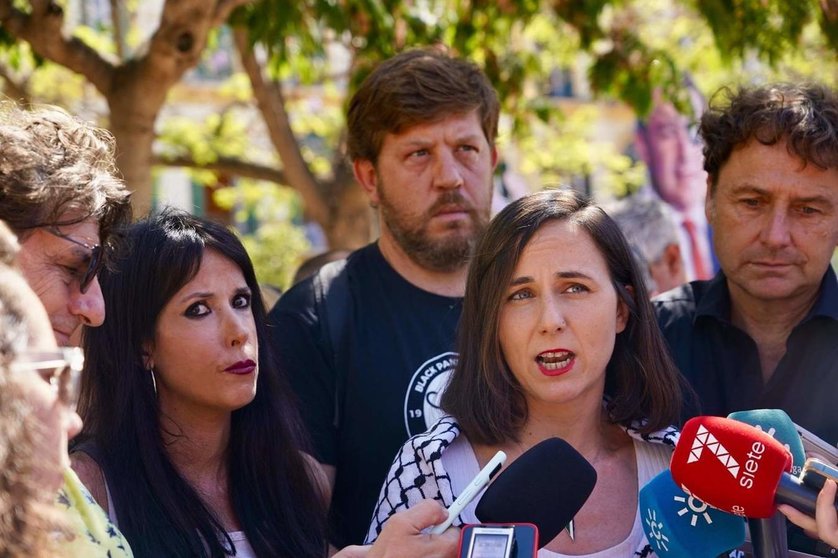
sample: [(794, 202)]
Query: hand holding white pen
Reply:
[(473, 489)]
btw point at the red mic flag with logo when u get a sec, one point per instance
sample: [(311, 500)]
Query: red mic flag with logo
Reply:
[(730, 465)]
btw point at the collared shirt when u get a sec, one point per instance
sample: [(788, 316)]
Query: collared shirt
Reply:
[(721, 361)]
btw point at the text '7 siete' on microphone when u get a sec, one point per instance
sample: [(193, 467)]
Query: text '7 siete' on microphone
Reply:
[(545, 486), (737, 468), (769, 536), (678, 525)]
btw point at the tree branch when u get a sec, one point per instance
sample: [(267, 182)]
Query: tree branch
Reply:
[(116, 22), (226, 165), (16, 89), (830, 9), (271, 104), (43, 31), (225, 8)]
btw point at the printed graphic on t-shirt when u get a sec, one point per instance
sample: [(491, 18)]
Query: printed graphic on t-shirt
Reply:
[(421, 403)]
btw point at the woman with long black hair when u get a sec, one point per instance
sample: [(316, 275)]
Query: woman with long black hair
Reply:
[(190, 440)]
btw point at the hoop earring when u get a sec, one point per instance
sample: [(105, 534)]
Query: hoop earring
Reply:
[(153, 381)]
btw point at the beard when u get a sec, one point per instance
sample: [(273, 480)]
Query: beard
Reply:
[(445, 253)]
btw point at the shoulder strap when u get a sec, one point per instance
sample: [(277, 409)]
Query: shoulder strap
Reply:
[(332, 298)]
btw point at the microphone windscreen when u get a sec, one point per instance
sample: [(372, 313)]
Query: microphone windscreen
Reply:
[(779, 425), (730, 465), (545, 486), (677, 524)]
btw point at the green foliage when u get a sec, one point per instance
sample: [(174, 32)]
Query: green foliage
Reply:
[(278, 246), (628, 47), (221, 134), (769, 28), (567, 147)]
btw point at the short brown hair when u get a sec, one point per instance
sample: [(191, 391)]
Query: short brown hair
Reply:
[(483, 395), (804, 116), (52, 163), (414, 87)]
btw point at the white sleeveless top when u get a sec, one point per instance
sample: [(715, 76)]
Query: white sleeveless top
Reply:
[(461, 464)]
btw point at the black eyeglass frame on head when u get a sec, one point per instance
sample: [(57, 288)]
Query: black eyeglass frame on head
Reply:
[(93, 265), (63, 366)]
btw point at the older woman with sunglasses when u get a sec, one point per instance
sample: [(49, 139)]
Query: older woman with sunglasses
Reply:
[(38, 390)]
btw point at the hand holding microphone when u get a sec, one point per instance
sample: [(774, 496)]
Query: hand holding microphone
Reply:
[(825, 524), (737, 468), (403, 536), (769, 536)]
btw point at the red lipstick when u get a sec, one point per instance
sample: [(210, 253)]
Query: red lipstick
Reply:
[(555, 362), (241, 367)]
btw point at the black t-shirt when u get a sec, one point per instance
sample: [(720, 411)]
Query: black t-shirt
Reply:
[(394, 359)]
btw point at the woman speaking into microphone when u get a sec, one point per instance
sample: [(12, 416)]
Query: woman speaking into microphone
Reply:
[(556, 339)]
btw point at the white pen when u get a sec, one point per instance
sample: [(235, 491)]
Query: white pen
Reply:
[(473, 489)]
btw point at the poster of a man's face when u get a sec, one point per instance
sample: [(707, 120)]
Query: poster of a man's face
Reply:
[(667, 144), (666, 141)]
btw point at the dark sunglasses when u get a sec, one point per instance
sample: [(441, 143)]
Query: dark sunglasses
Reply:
[(93, 265)]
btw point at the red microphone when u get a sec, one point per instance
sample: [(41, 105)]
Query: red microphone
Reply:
[(734, 466)]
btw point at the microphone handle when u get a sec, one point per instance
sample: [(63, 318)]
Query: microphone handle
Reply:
[(792, 491), (769, 537)]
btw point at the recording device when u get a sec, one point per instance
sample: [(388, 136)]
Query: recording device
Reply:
[(737, 468), (477, 484), (678, 524), (518, 540), (545, 486), (770, 536), (815, 472)]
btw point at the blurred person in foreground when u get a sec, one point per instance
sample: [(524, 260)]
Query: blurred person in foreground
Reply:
[(191, 439), (648, 226), (38, 385), (60, 194), (763, 333), (558, 339), (368, 343)]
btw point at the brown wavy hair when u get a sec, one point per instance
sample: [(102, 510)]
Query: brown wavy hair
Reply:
[(804, 116), (641, 382), (416, 87), (53, 164)]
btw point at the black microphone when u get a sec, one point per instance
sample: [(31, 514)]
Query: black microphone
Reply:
[(545, 486)]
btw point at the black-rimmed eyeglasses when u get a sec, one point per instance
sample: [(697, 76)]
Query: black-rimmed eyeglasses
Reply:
[(60, 368), (93, 265)]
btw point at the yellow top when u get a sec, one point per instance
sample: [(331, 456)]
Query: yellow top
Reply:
[(95, 535)]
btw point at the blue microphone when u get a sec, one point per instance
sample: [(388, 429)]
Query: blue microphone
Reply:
[(779, 425), (769, 536), (678, 525)]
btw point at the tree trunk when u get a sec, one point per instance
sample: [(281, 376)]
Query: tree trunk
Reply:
[(134, 133), (338, 206)]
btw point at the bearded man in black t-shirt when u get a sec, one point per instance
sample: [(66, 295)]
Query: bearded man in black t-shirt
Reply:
[(367, 343)]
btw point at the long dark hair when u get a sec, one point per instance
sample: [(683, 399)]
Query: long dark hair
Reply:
[(272, 492), (641, 381)]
